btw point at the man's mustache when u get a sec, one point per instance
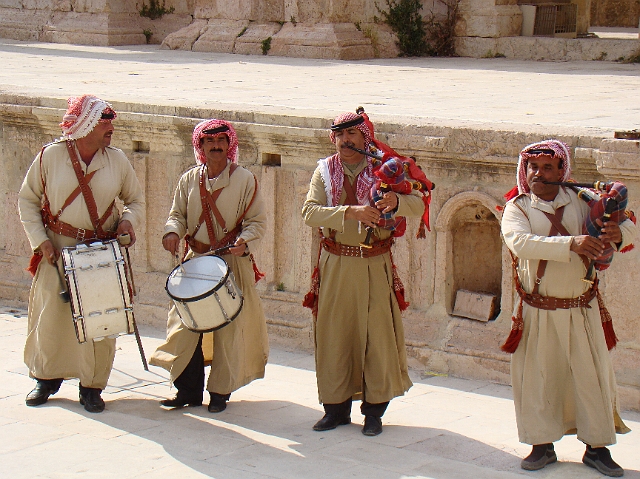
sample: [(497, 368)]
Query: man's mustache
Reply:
[(218, 150)]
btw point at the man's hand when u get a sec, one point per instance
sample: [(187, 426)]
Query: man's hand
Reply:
[(49, 252), (125, 227), (367, 215), (588, 246), (389, 202), (238, 248), (171, 242), (610, 232)]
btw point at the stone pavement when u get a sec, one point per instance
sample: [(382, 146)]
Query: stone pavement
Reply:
[(444, 428), (556, 97)]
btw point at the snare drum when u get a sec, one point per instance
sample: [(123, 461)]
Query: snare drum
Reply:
[(99, 291), (205, 293)]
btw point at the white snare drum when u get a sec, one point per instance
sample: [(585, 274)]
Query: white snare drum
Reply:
[(99, 292), (205, 293)]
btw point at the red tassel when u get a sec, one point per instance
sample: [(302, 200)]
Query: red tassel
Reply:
[(402, 304), (607, 323), (33, 263), (256, 272), (627, 248), (311, 298), (512, 193), (421, 231), (512, 342)]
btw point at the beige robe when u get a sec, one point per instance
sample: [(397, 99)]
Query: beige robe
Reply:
[(562, 376), (240, 349), (359, 335), (52, 349)]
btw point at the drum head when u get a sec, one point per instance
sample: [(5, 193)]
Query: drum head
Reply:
[(197, 278)]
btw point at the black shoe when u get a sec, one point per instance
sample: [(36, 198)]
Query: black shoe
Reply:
[(182, 400), (541, 455), (217, 402), (331, 421), (600, 459), (372, 426), (91, 400), (40, 394)]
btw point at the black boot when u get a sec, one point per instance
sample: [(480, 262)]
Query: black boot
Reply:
[(600, 459), (91, 400), (335, 415), (541, 455), (218, 402), (190, 383), (373, 417), (183, 399), (44, 388)]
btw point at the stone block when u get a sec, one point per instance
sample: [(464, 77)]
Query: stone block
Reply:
[(250, 42), (340, 41), (474, 305), (220, 36), (184, 38), (22, 25)]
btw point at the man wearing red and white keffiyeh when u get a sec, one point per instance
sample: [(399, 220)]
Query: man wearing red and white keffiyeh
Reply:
[(561, 372), (53, 219), (356, 295), (216, 206)]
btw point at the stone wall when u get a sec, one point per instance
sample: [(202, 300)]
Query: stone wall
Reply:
[(615, 13), (472, 169)]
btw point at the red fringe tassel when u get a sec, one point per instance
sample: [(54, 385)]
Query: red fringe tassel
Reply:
[(517, 325), (33, 263), (256, 272), (607, 323)]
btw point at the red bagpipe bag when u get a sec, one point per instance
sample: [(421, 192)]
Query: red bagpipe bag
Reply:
[(399, 180), (610, 204)]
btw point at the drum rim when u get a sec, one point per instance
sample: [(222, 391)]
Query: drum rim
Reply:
[(210, 330), (223, 280)]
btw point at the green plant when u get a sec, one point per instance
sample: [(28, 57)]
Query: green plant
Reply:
[(404, 18), (242, 32), (155, 10), (147, 35), (280, 22), (293, 20), (490, 54), (602, 57), (266, 45), (358, 26), (371, 34), (417, 36), (280, 287)]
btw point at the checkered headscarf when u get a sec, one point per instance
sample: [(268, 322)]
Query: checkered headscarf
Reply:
[(362, 127), (198, 134), (82, 116), (560, 149)]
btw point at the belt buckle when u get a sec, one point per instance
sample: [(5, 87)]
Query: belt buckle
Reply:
[(81, 234)]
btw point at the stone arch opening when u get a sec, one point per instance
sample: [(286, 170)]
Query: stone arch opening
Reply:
[(469, 251)]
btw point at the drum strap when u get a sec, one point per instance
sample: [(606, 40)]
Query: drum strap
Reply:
[(53, 222), (209, 208), (87, 194)]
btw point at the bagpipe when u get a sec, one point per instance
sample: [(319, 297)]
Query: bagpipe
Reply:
[(607, 202), (397, 173)]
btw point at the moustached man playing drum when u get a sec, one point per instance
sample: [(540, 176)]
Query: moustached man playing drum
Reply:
[(234, 216), (67, 197)]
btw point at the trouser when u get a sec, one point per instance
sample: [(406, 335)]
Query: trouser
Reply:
[(190, 383), (366, 408)]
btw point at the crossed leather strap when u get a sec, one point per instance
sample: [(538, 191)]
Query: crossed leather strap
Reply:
[(550, 303), (53, 222)]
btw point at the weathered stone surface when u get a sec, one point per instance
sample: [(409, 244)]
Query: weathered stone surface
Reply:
[(220, 36), (251, 41), (184, 38), (329, 40), (547, 49)]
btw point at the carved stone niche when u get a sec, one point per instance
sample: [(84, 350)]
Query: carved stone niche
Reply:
[(469, 251)]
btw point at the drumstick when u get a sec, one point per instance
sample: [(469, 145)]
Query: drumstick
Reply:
[(64, 294)]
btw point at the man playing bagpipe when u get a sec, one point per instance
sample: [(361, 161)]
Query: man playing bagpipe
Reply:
[(562, 375), (356, 296)]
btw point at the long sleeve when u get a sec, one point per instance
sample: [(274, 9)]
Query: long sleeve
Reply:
[(29, 205)]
